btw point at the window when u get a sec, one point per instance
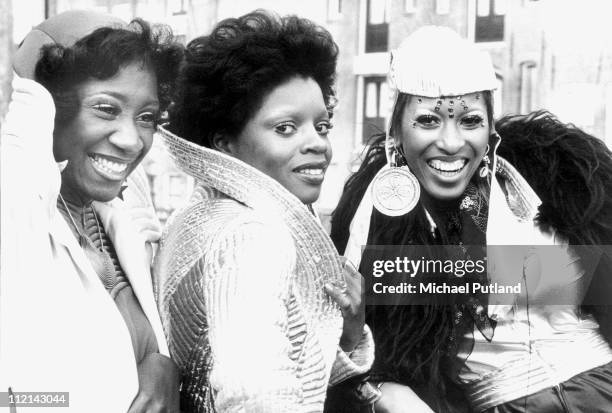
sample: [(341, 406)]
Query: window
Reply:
[(527, 87), (376, 105), (409, 6), (371, 100), (334, 9), (442, 6), (490, 20), (177, 7), (377, 28)]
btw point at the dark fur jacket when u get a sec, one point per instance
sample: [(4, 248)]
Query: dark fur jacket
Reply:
[(571, 171)]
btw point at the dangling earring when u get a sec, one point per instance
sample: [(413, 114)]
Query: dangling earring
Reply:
[(395, 190), (484, 170)]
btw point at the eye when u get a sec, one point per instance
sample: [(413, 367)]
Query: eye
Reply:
[(471, 121), (149, 119), (323, 128), (285, 128), (107, 109), (428, 121)]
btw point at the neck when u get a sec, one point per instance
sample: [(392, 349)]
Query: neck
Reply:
[(439, 205), (74, 198)]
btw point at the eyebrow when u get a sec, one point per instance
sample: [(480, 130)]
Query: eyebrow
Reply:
[(288, 111), (123, 98), (455, 109)]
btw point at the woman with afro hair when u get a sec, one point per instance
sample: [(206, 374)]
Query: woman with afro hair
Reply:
[(261, 312)]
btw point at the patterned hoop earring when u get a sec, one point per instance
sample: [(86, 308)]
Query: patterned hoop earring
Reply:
[(484, 170), (395, 190)]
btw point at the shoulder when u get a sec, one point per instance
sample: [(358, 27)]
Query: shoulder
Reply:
[(220, 232), (215, 224)]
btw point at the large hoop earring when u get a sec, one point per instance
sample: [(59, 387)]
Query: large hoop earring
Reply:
[(395, 190), (484, 170)]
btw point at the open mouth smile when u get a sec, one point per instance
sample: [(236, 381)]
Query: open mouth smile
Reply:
[(447, 168), (312, 173), (110, 168)]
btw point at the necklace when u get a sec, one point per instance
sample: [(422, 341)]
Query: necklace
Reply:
[(98, 257), (83, 239)]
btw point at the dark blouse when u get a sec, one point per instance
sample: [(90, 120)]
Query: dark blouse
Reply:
[(106, 264)]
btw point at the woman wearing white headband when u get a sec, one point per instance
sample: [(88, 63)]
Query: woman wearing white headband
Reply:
[(439, 180)]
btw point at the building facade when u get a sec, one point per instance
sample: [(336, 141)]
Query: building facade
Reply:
[(545, 52)]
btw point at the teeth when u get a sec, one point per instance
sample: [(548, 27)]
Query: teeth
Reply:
[(311, 171), (109, 166), (447, 166)]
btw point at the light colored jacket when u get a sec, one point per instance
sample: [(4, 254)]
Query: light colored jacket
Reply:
[(60, 330), (241, 295)]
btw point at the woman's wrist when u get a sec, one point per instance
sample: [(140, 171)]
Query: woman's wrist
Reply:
[(348, 346)]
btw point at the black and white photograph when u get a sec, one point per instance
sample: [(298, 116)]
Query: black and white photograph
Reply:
[(289, 206)]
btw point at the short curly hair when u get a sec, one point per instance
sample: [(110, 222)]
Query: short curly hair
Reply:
[(100, 55), (228, 73)]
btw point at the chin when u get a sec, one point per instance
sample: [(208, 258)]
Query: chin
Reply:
[(308, 197), (104, 195), (447, 194)]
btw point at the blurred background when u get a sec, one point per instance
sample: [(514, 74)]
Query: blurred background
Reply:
[(548, 54)]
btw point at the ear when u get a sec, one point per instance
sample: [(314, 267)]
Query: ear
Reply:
[(223, 143)]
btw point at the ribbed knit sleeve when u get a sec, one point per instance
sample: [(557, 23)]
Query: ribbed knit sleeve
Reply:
[(359, 362), (246, 288)]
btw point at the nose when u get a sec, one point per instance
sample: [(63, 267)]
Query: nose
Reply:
[(127, 138), (315, 143), (451, 139)]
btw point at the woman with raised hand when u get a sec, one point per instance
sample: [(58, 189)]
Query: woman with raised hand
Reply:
[(77, 304), (441, 177), (245, 272)]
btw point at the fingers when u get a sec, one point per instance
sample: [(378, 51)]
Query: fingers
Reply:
[(354, 281), (339, 296), (350, 269), (351, 305), (351, 295)]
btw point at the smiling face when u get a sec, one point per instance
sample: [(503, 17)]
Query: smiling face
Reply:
[(109, 136), (444, 147), (287, 138)]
